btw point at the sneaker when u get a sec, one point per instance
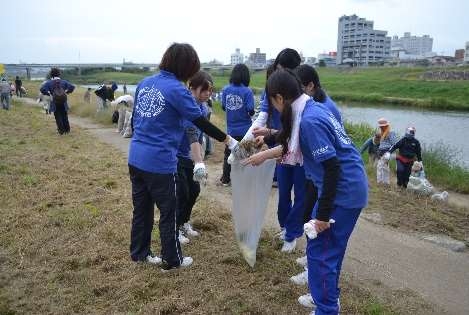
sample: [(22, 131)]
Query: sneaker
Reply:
[(182, 239), (186, 262), (155, 260), (288, 247), (281, 234), (307, 301), (300, 279), (302, 261), (275, 184), (189, 230)]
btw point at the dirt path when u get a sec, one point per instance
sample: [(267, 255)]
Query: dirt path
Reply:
[(375, 253)]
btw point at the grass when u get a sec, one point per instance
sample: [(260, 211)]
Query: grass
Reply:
[(65, 237)]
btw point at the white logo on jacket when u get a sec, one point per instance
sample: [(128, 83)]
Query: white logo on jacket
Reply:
[(150, 102), (233, 102), (339, 130), (320, 151)]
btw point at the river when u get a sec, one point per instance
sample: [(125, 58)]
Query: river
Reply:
[(434, 127)]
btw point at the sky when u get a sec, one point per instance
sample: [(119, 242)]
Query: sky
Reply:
[(85, 31)]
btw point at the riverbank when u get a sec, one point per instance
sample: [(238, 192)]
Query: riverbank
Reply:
[(66, 250)]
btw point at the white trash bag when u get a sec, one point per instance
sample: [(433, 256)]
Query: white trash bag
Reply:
[(251, 186), (383, 172)]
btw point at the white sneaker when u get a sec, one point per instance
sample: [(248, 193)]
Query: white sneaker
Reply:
[(301, 278), (190, 230), (186, 262), (302, 261), (307, 301), (281, 234), (288, 247), (155, 260), (182, 239)]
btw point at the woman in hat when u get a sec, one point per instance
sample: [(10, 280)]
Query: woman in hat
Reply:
[(388, 139)]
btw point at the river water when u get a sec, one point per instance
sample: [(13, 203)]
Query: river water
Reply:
[(449, 128)]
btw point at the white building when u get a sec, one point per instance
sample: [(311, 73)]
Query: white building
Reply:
[(359, 42), (237, 57), (413, 45), (466, 55)]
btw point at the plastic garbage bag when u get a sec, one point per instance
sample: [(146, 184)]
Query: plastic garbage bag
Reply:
[(420, 185), (383, 172), (251, 186)]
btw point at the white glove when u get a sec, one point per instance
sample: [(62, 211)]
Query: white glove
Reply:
[(231, 159), (200, 173), (310, 228), (387, 156), (232, 143)]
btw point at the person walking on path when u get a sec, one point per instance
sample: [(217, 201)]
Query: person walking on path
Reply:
[(18, 85), (5, 93), (58, 89)]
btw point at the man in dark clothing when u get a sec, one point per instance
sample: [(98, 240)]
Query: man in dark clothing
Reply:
[(58, 89), (409, 150), (18, 85)]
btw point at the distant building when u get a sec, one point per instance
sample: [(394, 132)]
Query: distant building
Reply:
[(466, 56), (310, 60), (257, 59), (459, 54), (359, 43), (237, 57), (413, 45), (329, 59)]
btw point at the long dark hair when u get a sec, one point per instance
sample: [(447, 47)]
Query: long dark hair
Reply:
[(308, 74), (240, 75), (287, 84)]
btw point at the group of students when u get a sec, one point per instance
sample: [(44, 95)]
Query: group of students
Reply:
[(304, 131), (383, 143)]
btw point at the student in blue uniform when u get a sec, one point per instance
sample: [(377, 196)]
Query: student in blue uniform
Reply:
[(335, 167), (190, 158), (290, 213), (162, 102), (238, 103)]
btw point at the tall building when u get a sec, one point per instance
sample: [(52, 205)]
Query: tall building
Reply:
[(237, 57), (257, 59), (359, 43), (459, 54), (466, 56), (413, 45)]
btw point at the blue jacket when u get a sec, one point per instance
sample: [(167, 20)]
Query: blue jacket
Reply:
[(48, 87), (238, 102), (162, 103)]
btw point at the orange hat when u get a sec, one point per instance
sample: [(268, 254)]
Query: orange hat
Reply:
[(383, 122)]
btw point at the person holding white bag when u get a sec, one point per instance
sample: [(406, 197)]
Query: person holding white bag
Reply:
[(333, 164)]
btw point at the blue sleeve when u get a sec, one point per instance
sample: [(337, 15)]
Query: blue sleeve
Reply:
[(185, 104), (264, 103), (69, 87), (223, 105), (319, 140), (249, 100), (45, 89)]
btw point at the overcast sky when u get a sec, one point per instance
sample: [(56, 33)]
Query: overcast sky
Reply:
[(140, 31)]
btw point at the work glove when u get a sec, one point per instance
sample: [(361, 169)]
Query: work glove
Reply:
[(243, 150), (200, 173), (387, 156), (310, 228)]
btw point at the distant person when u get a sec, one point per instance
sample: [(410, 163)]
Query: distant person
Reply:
[(44, 99), (18, 85), (387, 140), (371, 146), (58, 89), (125, 88), (238, 103), (409, 152), (123, 104), (5, 93), (87, 96), (104, 94)]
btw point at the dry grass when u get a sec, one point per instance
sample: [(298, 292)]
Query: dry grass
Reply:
[(410, 212)]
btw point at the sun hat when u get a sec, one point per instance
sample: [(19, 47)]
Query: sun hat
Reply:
[(383, 122)]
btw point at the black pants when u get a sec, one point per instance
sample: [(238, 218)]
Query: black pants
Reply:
[(61, 119), (188, 190), (225, 178), (403, 173), (149, 189)]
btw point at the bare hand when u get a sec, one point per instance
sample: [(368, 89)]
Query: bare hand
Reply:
[(256, 159), (321, 225), (259, 141), (260, 131)]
